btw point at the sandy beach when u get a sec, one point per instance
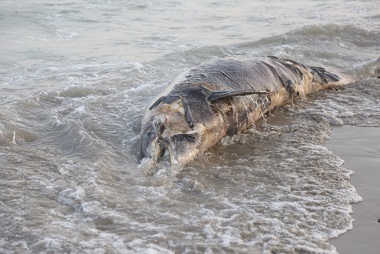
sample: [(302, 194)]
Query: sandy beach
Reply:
[(359, 147)]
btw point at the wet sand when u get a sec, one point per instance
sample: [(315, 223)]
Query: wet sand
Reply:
[(359, 147)]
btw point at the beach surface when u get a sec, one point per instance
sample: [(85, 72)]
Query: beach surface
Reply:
[(359, 147)]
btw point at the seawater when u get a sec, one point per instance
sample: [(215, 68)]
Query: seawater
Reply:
[(75, 79)]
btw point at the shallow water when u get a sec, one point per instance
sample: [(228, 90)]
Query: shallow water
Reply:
[(75, 79)]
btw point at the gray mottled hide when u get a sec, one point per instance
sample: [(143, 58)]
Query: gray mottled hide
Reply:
[(220, 98)]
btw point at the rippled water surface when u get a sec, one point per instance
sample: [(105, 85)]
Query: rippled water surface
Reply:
[(76, 77)]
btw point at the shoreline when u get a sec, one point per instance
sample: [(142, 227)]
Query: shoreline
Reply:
[(359, 147)]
